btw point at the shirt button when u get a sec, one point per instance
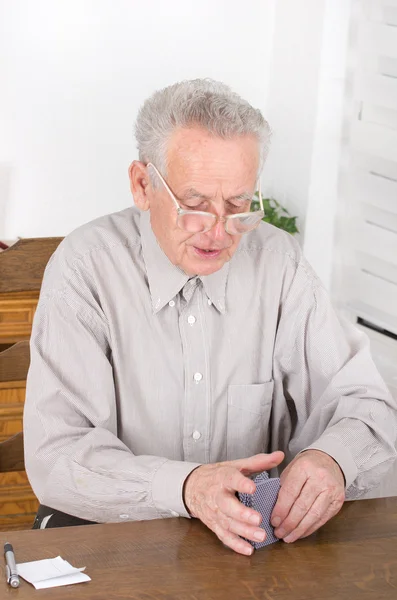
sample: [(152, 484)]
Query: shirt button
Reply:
[(196, 435), (197, 377), (171, 303), (209, 302), (191, 320), (174, 514), (123, 516)]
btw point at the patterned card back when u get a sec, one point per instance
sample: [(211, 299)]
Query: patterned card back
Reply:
[(263, 501)]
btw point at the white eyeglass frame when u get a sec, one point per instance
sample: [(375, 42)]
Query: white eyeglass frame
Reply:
[(216, 218)]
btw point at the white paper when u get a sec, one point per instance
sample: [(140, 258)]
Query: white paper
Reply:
[(51, 572)]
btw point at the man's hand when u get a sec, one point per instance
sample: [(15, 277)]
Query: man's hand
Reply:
[(209, 495), (312, 492)]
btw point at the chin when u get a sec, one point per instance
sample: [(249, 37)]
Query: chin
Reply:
[(198, 268)]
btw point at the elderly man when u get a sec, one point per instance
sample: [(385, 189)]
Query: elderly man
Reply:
[(177, 343)]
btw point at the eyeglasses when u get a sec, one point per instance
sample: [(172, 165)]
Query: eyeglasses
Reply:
[(196, 221)]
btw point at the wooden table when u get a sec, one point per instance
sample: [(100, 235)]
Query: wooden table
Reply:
[(353, 556)]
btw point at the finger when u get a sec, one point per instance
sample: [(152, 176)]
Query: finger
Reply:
[(299, 509), (246, 531), (290, 489), (258, 463), (333, 509), (233, 541), (318, 513), (232, 508), (235, 481), (313, 528)]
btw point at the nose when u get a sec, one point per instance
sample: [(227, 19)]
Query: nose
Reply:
[(218, 232)]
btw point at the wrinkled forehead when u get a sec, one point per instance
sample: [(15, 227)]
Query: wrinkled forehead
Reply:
[(196, 154)]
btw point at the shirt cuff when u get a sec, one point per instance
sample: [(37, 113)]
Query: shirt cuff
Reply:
[(336, 450), (167, 488)]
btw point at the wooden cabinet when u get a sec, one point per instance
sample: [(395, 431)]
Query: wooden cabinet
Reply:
[(21, 271), (18, 504), (11, 408), (16, 316)]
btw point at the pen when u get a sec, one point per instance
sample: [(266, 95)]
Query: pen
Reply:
[(11, 566)]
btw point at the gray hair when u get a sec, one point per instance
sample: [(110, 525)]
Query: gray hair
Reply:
[(203, 102)]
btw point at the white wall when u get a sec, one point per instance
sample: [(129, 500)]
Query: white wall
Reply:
[(327, 152), (292, 101), (305, 109), (72, 77)]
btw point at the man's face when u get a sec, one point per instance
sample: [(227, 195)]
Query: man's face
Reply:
[(205, 173)]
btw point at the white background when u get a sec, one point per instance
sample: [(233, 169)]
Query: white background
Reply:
[(74, 73)]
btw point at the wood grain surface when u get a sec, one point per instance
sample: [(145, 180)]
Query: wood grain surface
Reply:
[(14, 362), (22, 265), (16, 316), (12, 454), (18, 504), (352, 557), (21, 272)]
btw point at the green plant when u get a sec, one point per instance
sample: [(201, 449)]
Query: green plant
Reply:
[(276, 215)]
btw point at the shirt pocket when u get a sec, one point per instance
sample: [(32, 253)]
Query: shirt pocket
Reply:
[(248, 415)]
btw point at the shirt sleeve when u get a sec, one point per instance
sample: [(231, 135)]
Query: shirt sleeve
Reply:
[(74, 460), (338, 402)]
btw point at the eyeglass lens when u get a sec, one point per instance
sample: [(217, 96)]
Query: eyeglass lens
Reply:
[(198, 222)]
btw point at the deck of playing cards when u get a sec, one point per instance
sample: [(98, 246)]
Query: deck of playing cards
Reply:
[(263, 501)]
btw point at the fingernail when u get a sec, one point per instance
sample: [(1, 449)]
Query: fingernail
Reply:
[(276, 521), (288, 539), (280, 534), (260, 535), (255, 519), (248, 551)]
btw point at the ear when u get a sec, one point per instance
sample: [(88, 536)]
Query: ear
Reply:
[(139, 184)]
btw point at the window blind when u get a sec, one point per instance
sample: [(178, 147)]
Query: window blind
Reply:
[(372, 172)]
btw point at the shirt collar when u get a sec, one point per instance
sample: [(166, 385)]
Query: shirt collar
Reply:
[(215, 287), (166, 280)]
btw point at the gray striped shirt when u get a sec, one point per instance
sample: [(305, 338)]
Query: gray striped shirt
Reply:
[(138, 373)]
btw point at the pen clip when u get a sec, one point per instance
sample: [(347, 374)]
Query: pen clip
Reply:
[(8, 574)]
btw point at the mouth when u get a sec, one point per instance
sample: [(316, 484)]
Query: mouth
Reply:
[(208, 254)]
